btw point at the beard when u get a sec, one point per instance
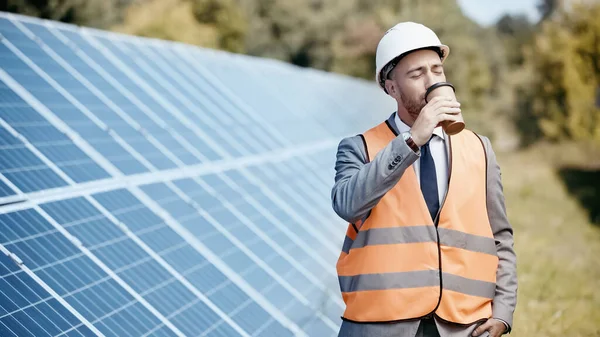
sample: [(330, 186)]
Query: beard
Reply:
[(413, 105)]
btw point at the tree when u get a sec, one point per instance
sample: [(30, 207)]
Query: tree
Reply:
[(516, 32), (226, 18), (92, 13), (566, 59), (548, 7), (215, 24)]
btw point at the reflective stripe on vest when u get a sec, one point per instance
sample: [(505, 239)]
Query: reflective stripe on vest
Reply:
[(390, 269)]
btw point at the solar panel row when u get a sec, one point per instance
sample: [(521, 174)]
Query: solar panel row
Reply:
[(150, 188)]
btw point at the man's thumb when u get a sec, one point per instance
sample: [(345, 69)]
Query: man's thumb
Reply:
[(480, 329)]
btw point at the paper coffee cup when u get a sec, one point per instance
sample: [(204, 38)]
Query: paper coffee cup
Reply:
[(446, 89)]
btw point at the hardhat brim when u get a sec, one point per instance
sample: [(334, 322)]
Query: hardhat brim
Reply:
[(445, 50)]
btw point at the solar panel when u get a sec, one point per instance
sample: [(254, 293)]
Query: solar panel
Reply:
[(28, 309), (152, 188)]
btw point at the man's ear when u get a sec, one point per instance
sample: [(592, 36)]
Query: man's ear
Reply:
[(390, 86)]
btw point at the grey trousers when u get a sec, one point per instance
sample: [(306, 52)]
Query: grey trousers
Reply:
[(423, 328), (427, 328)]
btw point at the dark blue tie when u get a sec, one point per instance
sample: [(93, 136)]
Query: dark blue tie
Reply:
[(429, 180)]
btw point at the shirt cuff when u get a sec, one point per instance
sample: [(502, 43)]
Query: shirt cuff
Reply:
[(506, 327)]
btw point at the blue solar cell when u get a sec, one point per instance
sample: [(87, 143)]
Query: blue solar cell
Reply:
[(298, 191), (301, 231), (101, 140), (92, 292), (213, 103), (198, 193), (5, 191), (147, 119), (223, 330), (164, 84), (23, 168), (134, 265), (55, 101), (260, 135), (272, 330), (277, 176), (285, 113), (222, 246), (313, 98), (317, 328), (225, 110), (26, 309), (186, 260), (216, 107), (52, 143), (282, 266)]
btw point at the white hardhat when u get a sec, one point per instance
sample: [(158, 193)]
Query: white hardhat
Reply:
[(402, 39)]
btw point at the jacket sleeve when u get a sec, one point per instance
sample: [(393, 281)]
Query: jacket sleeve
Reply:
[(505, 300), (359, 182)]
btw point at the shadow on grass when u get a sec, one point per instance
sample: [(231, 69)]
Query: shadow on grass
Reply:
[(584, 185)]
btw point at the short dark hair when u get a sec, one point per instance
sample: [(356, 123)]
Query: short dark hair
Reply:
[(387, 69)]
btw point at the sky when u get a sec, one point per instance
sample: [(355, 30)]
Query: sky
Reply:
[(487, 12)]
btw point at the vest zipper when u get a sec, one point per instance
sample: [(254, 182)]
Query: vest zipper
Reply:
[(437, 232)]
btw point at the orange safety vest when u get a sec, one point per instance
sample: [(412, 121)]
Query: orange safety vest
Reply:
[(398, 264)]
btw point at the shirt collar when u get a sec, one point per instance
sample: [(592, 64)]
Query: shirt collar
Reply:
[(402, 127)]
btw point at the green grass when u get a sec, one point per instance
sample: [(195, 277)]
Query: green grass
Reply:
[(558, 248)]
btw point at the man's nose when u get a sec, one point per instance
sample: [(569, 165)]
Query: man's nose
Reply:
[(430, 79)]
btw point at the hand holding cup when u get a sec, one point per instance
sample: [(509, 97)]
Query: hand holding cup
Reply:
[(443, 109), (446, 89)]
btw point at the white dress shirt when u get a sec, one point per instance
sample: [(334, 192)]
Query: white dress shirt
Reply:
[(437, 147)]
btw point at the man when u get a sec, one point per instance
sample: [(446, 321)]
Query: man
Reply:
[(429, 249)]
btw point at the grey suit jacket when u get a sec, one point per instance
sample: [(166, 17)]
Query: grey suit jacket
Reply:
[(361, 183)]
